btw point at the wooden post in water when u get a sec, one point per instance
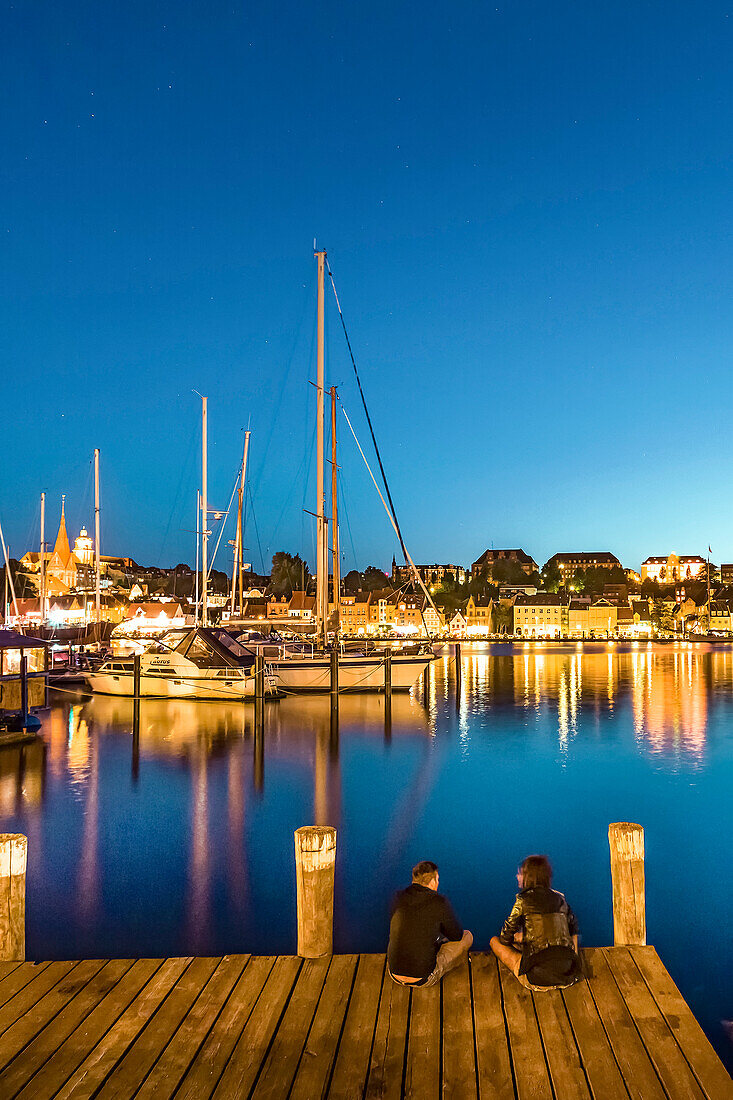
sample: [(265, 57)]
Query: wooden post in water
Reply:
[(24, 688), (135, 699), (315, 863), (626, 842), (388, 695), (259, 670), (13, 856), (334, 675)]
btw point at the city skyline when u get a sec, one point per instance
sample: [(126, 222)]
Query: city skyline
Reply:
[(527, 229)]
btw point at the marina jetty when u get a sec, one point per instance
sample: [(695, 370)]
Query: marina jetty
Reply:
[(322, 1025)]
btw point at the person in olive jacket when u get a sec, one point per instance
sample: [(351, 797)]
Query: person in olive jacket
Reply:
[(426, 939), (539, 940)]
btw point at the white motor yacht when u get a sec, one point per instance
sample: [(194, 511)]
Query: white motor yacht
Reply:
[(207, 663)]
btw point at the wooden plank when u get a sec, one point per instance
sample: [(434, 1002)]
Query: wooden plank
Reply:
[(31, 994), (386, 1065), (706, 1065), (168, 1071), (669, 1061), (133, 1068), (207, 1067), (48, 1041), (459, 1057), (314, 1070), (23, 1030), (281, 1063), (87, 1078), (637, 1070), (20, 976), (72, 1052), (493, 1063), (422, 1069), (355, 1048), (604, 1076), (249, 1052), (561, 1052), (531, 1075)]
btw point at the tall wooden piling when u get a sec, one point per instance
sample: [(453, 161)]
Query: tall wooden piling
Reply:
[(626, 842), (334, 676), (315, 863), (24, 688), (259, 691), (13, 858), (388, 675)]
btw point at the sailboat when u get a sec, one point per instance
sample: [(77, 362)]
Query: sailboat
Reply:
[(303, 667)]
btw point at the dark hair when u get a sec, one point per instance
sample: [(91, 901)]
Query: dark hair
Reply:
[(536, 871), (423, 871)]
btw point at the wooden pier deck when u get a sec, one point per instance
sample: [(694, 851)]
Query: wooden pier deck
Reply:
[(261, 1026)]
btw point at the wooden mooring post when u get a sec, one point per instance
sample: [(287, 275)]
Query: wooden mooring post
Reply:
[(13, 859), (259, 685), (626, 842), (24, 689), (315, 864)]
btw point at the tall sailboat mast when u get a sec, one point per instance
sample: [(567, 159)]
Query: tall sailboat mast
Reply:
[(321, 545), (240, 532), (97, 602), (204, 517), (42, 586), (198, 539), (334, 519)]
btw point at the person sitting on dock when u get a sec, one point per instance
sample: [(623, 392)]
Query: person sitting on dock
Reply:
[(425, 938), (544, 926)]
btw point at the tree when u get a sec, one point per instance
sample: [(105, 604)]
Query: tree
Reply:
[(374, 579), (289, 573), (353, 582), (551, 577)]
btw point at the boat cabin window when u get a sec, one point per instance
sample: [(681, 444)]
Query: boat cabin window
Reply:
[(201, 655)]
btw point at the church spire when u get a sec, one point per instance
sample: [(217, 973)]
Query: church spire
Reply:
[(62, 550)]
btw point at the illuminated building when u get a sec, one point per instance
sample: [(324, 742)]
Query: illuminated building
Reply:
[(673, 568), (84, 548), (592, 620), (430, 574), (581, 560), (485, 565), (539, 616), (479, 615)]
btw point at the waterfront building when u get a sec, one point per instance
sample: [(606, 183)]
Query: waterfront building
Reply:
[(540, 616), (570, 563), (479, 615), (726, 574), (152, 617), (301, 606), (675, 567), (634, 621), (721, 616), (457, 625), (592, 620), (484, 566)]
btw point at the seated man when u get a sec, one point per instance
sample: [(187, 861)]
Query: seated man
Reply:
[(544, 926), (425, 938)]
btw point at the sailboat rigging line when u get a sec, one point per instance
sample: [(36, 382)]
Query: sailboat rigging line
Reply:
[(221, 529), (257, 530), (395, 521)]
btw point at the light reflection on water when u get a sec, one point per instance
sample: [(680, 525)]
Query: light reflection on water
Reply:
[(183, 842)]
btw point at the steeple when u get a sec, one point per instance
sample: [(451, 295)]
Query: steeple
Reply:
[(62, 550)]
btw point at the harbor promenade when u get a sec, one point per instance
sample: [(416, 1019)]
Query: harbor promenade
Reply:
[(264, 1026)]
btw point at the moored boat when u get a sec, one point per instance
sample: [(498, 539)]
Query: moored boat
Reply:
[(207, 663)]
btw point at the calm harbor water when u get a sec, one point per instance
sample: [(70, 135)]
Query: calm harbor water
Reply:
[(186, 847)]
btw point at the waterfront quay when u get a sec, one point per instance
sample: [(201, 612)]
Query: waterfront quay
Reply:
[(282, 1026)]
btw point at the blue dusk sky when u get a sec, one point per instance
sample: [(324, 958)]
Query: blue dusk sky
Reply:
[(527, 209)]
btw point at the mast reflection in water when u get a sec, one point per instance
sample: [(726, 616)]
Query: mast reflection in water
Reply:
[(183, 842)]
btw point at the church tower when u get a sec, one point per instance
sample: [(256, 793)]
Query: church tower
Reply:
[(61, 570)]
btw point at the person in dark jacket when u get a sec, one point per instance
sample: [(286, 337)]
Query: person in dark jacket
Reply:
[(539, 940), (425, 938)]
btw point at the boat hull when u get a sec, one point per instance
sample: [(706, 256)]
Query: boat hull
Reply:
[(158, 686), (355, 673)]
